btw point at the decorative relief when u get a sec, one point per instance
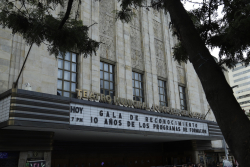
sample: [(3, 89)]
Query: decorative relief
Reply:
[(135, 22), (135, 36), (107, 49), (106, 29), (137, 59), (107, 6), (107, 25), (156, 13), (159, 49), (157, 30), (181, 75), (161, 68)]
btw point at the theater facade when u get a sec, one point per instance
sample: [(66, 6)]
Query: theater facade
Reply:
[(130, 105)]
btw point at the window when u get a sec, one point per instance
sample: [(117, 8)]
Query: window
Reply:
[(138, 94), (162, 93), (107, 82), (244, 96), (183, 98), (243, 90), (241, 79), (244, 102), (238, 68), (67, 75), (240, 73)]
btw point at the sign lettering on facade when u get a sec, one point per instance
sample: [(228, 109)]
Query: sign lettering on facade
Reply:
[(85, 94), (109, 118)]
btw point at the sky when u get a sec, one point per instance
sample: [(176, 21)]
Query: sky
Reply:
[(190, 6)]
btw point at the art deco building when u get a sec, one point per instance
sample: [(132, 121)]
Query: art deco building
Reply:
[(131, 105)]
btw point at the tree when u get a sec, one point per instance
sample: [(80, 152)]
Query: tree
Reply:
[(230, 38), (195, 30)]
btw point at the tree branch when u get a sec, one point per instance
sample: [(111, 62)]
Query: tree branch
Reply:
[(66, 16)]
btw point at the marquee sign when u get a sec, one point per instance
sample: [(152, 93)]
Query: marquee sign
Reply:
[(98, 97), (84, 115)]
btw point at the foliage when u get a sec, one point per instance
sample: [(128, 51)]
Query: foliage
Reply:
[(35, 22), (229, 33)]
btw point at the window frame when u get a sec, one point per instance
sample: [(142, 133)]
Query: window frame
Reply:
[(164, 82), (63, 69), (183, 99), (103, 80), (140, 84)]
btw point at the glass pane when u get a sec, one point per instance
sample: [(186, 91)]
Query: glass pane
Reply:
[(106, 67), (59, 84), (106, 76), (101, 91), (181, 95), (141, 85), (59, 75), (111, 77), (162, 98), (66, 94), (101, 65), (161, 90), (133, 83), (112, 94), (111, 68), (73, 87), (133, 97), (60, 56), (141, 99), (180, 88), (141, 93), (73, 95), (182, 103), (106, 92), (67, 56), (111, 85), (73, 77), (60, 63), (101, 84), (66, 85), (137, 92), (137, 98), (74, 67), (66, 75), (136, 76), (140, 77), (133, 75), (160, 83), (101, 74), (136, 84), (134, 91), (106, 85), (59, 93), (73, 57), (67, 65)]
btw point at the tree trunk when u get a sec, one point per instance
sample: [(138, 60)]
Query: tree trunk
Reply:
[(233, 122)]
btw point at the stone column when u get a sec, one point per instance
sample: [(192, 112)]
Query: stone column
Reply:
[(171, 75), (95, 60), (22, 159), (47, 158), (149, 59), (85, 63)]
